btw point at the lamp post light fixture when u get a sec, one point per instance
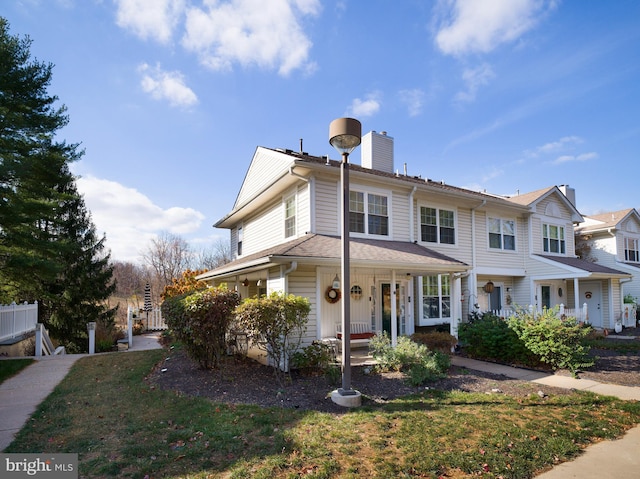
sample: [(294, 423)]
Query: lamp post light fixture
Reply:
[(345, 135)]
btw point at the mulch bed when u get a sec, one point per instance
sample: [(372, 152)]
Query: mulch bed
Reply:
[(243, 381)]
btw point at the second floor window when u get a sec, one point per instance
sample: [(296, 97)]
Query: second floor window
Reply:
[(290, 216), (502, 234), (631, 250), (368, 213), (553, 239), (437, 226), (239, 245)]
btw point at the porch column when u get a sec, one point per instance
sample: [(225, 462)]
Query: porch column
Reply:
[(456, 304), (394, 311), (576, 289)]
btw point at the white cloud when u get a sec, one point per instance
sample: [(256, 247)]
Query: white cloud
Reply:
[(474, 78), (562, 144), (479, 26), (575, 158), (365, 108), (414, 99), (164, 85), (245, 32), (130, 219), (155, 19)]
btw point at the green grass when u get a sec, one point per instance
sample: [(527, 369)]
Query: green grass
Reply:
[(121, 426), (10, 367)]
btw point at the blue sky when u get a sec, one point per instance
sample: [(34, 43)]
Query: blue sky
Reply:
[(170, 99)]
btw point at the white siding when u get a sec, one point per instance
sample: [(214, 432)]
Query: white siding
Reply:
[(327, 205), (265, 168), (400, 216), (302, 282)]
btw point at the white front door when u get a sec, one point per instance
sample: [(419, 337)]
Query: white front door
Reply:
[(591, 293)]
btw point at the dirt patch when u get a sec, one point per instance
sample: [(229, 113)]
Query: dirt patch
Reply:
[(243, 381)]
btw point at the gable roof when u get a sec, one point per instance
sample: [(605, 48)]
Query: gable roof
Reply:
[(594, 269), (272, 171), (318, 249), (533, 197), (605, 221)]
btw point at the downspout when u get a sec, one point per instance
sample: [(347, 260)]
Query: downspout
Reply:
[(411, 213), (286, 272), (312, 197), (473, 289)]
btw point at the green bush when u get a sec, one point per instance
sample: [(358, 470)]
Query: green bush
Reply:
[(315, 356), (275, 324), (200, 321), (437, 340), (557, 342), (490, 337), (416, 360)]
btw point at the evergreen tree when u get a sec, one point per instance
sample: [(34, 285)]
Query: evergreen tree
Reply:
[(49, 250)]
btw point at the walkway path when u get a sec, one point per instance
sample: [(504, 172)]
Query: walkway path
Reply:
[(21, 394)]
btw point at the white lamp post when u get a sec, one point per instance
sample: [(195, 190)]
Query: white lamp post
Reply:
[(344, 136)]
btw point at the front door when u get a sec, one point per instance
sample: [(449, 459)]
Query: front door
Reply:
[(385, 290), (591, 293)]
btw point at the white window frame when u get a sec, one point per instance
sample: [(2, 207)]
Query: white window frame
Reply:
[(239, 239), (438, 225), (289, 230), (502, 234), (441, 298), (365, 192), (631, 245), (546, 240)]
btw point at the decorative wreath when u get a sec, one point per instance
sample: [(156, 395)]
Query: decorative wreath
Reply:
[(332, 295)]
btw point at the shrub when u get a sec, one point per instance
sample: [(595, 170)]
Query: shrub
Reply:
[(436, 341), (416, 360), (490, 337), (275, 324), (557, 342), (315, 356), (200, 321)]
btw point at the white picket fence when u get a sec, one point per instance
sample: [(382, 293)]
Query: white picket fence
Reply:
[(581, 314), (17, 319), (152, 321)]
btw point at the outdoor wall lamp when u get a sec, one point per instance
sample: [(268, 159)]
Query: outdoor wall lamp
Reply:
[(336, 283), (245, 283), (345, 136)]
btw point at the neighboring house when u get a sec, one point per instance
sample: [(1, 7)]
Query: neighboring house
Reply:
[(422, 252), (613, 240)]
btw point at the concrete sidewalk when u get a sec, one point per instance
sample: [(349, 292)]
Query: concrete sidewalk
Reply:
[(21, 394), (604, 460)]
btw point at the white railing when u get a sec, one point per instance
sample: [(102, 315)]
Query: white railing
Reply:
[(155, 322), (581, 314), (17, 319), (151, 321), (44, 346)]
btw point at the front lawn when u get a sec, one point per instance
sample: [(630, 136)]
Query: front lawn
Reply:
[(121, 426)]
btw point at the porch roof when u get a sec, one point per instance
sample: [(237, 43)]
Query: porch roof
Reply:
[(593, 269), (326, 250)]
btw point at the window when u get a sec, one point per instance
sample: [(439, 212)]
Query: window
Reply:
[(436, 297), (553, 239), (368, 213), (631, 250), (437, 226), (239, 241), (502, 234), (290, 216)]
